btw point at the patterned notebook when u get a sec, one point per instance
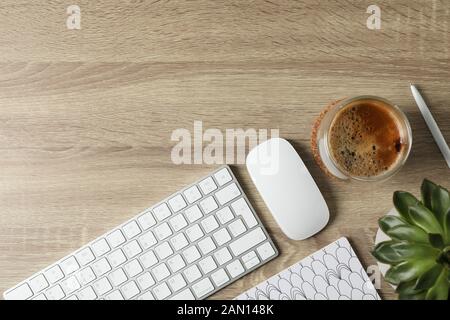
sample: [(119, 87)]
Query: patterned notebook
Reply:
[(332, 273)]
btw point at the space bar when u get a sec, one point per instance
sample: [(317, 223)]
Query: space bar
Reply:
[(247, 241)]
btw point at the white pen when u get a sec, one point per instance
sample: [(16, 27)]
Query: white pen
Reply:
[(432, 125)]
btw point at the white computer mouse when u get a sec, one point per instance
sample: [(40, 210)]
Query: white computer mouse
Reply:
[(287, 188)]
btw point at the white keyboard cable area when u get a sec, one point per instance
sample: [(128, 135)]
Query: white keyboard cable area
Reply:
[(188, 246)]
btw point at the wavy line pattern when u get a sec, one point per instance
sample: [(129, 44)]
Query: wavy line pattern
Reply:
[(332, 273)]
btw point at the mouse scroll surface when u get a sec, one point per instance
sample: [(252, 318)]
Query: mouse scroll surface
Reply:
[(287, 188)]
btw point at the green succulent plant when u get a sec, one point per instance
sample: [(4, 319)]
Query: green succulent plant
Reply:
[(419, 250)]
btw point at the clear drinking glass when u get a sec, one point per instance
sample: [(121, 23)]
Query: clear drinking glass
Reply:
[(323, 139)]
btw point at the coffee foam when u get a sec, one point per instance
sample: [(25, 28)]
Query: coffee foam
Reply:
[(365, 138)]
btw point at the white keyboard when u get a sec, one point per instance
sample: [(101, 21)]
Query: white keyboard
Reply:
[(189, 246)]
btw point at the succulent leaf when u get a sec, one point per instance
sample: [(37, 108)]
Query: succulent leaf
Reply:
[(426, 191), (428, 279), (402, 202), (385, 253), (407, 291), (415, 296), (408, 233), (440, 203), (407, 270), (440, 289), (407, 287), (447, 226), (412, 251), (389, 222), (425, 219)]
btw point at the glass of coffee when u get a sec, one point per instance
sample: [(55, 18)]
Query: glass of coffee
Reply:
[(363, 138)]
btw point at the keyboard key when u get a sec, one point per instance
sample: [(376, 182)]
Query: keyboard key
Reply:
[(194, 233), (116, 258), (206, 245), (163, 231), (208, 205), (54, 274), (247, 241), (145, 281), (161, 272), (38, 283), (207, 265), (224, 215), (132, 249), (87, 294), (177, 282), (131, 229), (146, 220), (162, 212), (100, 247), (178, 222), (69, 265), (193, 213), (161, 291), (133, 268), (147, 240), (191, 254), (148, 259), (183, 295), (179, 241), (21, 292), (209, 224), (176, 263), (220, 277), (265, 251), (228, 193), (85, 276), (235, 268), (146, 296), (250, 259), (208, 185), (85, 256), (237, 227), (222, 176), (222, 236), (69, 285), (163, 250), (102, 286), (101, 267), (115, 238), (177, 203), (242, 209), (41, 297), (117, 277), (72, 297), (115, 295), (192, 273), (222, 256), (202, 288), (55, 293), (130, 290), (192, 194)]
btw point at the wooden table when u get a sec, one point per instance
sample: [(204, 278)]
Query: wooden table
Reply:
[(86, 115)]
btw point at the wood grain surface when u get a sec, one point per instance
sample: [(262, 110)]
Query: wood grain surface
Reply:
[(86, 115)]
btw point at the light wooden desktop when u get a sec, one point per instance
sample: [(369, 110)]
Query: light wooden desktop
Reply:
[(86, 115)]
